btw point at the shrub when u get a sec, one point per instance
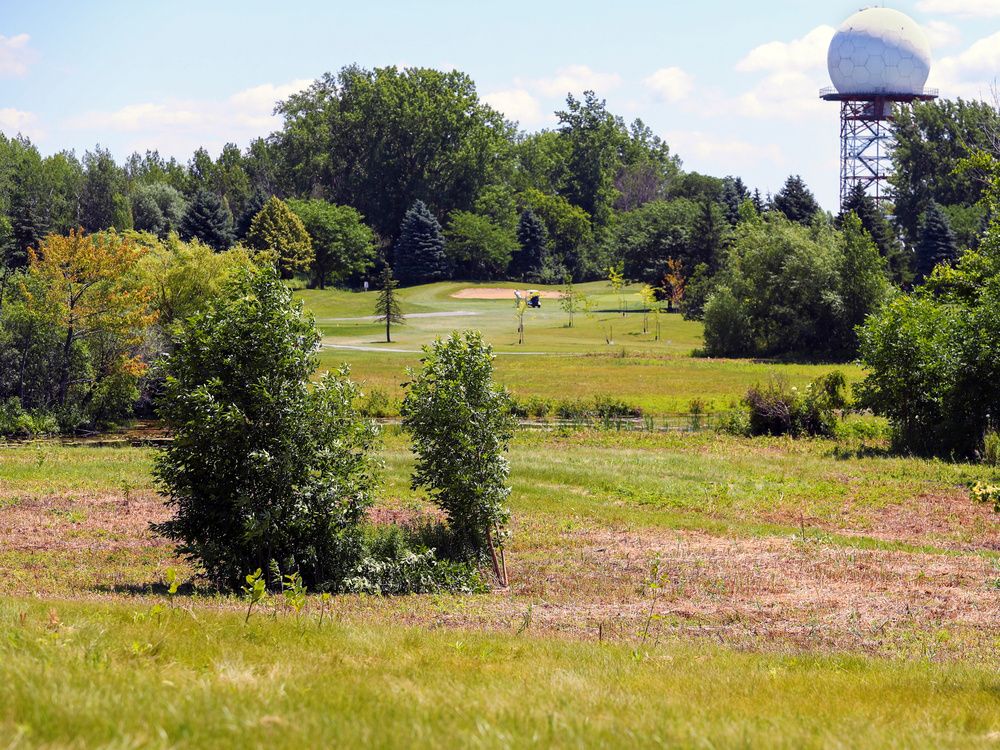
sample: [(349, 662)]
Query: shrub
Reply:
[(394, 564), (263, 466), (991, 448), (461, 425), (15, 421), (777, 409)]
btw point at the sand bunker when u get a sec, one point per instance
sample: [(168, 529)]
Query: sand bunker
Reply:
[(497, 293)]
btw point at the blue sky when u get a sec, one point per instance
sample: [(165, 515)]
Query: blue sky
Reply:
[(732, 86)]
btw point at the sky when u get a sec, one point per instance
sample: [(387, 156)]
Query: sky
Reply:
[(731, 86)]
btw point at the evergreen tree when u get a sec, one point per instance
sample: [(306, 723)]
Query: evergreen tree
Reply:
[(253, 207), (207, 220), (277, 229), (936, 242), (419, 251), (878, 227), (387, 309), (796, 201), (28, 227), (758, 202), (734, 192), (533, 238)]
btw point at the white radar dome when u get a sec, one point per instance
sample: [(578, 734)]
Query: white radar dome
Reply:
[(879, 51)]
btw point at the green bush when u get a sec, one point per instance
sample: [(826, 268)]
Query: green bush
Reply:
[(15, 421), (264, 465), (787, 289), (461, 425), (777, 409), (395, 563)]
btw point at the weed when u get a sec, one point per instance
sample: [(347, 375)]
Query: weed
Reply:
[(254, 592)]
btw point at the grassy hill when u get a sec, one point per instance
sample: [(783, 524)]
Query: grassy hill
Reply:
[(555, 362)]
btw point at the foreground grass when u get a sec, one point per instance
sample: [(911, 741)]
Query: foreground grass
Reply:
[(112, 675)]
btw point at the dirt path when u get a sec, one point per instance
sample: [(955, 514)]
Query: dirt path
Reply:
[(411, 316)]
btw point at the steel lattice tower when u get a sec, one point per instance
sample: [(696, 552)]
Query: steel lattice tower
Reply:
[(866, 138)]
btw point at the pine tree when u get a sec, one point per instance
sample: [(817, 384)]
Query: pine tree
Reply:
[(758, 202), (796, 201), (878, 227), (936, 243), (253, 207), (419, 251), (734, 192), (207, 220), (533, 238), (387, 308), (276, 228)]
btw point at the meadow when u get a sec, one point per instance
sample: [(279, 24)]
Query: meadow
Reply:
[(678, 588), (684, 587)]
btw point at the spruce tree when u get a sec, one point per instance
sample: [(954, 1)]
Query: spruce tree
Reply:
[(533, 238), (936, 242), (734, 192), (387, 309), (878, 227), (207, 220), (419, 251), (796, 201)]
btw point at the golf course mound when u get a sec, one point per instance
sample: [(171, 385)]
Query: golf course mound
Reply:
[(496, 293)]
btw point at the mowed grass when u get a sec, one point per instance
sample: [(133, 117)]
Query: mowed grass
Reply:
[(555, 362), (78, 675)]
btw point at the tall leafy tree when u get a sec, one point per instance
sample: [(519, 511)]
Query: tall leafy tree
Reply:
[(476, 247), (596, 139), (936, 243), (419, 252), (533, 240), (104, 190), (863, 284), (380, 139), (343, 244), (277, 229), (931, 139), (207, 220), (158, 208), (89, 287), (878, 227), (387, 307)]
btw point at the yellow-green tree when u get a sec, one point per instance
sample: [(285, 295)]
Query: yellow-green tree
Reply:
[(89, 289), (277, 229)]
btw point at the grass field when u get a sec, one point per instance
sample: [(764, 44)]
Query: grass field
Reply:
[(555, 362), (794, 582), (686, 589)]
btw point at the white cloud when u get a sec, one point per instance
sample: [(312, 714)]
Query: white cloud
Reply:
[(575, 79), (961, 8), (724, 153), (14, 121), (670, 84), (788, 95), (971, 73), (518, 105), (942, 34), (179, 126), (15, 55), (806, 53)]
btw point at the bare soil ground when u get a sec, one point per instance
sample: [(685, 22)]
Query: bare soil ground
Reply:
[(598, 582), (497, 293)]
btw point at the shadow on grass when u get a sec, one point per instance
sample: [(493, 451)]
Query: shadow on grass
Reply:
[(158, 588)]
